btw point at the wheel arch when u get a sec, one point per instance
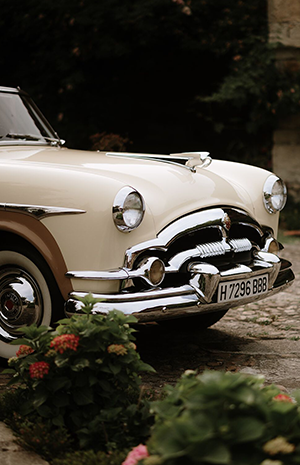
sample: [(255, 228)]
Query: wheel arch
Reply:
[(30, 233)]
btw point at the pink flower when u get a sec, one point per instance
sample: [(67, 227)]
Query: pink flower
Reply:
[(283, 398), (137, 453), (39, 369), (24, 350), (117, 349), (65, 341)]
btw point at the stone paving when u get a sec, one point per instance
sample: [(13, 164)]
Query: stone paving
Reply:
[(261, 338)]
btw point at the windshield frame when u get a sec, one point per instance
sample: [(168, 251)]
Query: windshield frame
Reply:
[(47, 134)]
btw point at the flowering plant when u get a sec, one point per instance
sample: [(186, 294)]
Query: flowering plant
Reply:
[(84, 376), (223, 418)]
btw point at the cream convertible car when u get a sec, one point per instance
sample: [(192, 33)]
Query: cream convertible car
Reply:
[(162, 237)]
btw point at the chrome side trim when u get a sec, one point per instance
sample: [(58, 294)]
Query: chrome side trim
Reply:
[(39, 211), (109, 275)]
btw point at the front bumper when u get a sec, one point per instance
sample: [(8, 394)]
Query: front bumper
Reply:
[(199, 296)]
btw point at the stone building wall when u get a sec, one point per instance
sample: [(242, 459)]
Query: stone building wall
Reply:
[(284, 27)]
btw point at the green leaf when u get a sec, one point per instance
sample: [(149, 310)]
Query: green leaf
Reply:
[(45, 411), (115, 369), (247, 429), (218, 453), (40, 398), (61, 400), (83, 396), (58, 383), (58, 421), (8, 371)]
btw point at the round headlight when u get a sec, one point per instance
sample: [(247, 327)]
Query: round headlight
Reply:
[(128, 209), (275, 194)]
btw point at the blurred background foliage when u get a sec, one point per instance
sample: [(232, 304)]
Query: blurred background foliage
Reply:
[(156, 76)]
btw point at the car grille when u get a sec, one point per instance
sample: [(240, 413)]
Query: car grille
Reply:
[(219, 236)]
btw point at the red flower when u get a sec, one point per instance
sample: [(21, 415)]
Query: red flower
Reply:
[(283, 398), (65, 341), (24, 350), (39, 369)]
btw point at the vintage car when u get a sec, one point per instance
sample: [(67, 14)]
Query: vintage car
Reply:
[(167, 238)]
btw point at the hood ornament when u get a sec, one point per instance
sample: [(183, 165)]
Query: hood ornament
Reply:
[(226, 221), (195, 159)]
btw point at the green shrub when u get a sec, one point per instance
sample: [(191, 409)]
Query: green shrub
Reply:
[(91, 458), (10, 402), (84, 377), (224, 418)]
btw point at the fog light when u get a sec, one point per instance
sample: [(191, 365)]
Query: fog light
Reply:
[(152, 270), (272, 245)]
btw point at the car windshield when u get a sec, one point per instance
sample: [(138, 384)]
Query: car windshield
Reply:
[(21, 122)]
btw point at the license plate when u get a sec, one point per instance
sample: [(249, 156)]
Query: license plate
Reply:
[(242, 288)]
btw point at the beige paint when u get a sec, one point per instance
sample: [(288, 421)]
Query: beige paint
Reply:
[(90, 181), (39, 236)]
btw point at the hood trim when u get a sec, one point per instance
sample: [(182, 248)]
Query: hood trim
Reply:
[(188, 160)]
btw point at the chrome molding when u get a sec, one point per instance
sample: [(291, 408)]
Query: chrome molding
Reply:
[(188, 160), (39, 211)]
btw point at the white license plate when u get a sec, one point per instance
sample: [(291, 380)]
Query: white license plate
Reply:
[(242, 288)]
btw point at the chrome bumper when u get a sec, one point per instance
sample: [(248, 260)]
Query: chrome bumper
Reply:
[(199, 296)]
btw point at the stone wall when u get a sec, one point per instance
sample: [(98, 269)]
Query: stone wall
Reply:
[(284, 27), (284, 22)]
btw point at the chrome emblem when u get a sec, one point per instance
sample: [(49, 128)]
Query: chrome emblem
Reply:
[(226, 221)]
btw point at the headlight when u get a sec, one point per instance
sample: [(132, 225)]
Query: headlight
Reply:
[(128, 209), (275, 194)]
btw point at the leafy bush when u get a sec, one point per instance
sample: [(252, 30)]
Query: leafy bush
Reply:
[(224, 418), (90, 458), (84, 377)]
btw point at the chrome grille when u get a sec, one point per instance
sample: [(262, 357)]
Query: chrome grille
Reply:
[(201, 237), (211, 249)]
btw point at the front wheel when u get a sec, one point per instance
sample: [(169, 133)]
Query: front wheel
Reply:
[(27, 296)]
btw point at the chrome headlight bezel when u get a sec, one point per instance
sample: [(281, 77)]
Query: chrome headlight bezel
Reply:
[(274, 201), (128, 209)]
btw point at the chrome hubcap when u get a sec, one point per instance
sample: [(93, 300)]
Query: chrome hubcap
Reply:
[(21, 302)]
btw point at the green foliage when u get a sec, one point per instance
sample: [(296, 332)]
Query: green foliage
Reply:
[(224, 418), (40, 435), (84, 377), (91, 458), (10, 402), (94, 66)]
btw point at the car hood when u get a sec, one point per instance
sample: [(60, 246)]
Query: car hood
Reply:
[(169, 190)]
